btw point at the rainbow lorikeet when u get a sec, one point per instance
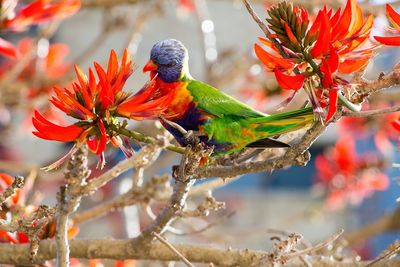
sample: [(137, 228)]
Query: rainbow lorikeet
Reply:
[(218, 119)]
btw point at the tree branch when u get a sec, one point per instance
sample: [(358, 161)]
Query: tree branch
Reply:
[(18, 254), (18, 183), (295, 155), (62, 228), (143, 158)]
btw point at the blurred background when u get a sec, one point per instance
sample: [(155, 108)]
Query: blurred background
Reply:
[(316, 200)]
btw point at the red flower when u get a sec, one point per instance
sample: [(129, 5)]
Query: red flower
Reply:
[(381, 127), (314, 55), (50, 64), (347, 176), (36, 12), (98, 104), (41, 11), (187, 5), (279, 66), (8, 49), (394, 19)]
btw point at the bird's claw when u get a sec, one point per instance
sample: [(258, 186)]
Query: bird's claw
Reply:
[(192, 138)]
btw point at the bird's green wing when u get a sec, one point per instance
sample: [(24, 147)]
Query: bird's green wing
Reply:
[(218, 103)]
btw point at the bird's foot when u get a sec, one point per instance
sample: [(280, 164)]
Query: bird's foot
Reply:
[(192, 138)]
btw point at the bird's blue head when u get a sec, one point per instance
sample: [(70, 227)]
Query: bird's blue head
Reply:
[(168, 59)]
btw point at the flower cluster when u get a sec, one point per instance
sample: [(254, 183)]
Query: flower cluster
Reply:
[(348, 177), (97, 104), (380, 126), (49, 64), (312, 55), (38, 11)]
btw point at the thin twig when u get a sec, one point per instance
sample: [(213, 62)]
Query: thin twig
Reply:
[(173, 249), (143, 158), (316, 247), (370, 113), (389, 252), (264, 28), (18, 183)]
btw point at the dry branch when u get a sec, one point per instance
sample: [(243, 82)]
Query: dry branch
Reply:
[(18, 183), (126, 249), (62, 228)]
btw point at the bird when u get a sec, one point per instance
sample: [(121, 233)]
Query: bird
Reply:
[(218, 120)]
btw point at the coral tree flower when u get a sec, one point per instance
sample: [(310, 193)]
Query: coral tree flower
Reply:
[(347, 176), (38, 11), (310, 55), (394, 19), (49, 64), (97, 104)]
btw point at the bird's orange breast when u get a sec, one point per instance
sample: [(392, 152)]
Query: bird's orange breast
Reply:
[(181, 100)]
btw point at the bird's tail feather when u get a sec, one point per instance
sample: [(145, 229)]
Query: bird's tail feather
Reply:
[(284, 122)]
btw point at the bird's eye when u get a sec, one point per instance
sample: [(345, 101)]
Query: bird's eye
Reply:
[(171, 64)]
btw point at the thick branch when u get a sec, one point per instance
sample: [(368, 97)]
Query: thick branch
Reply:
[(177, 201), (125, 249)]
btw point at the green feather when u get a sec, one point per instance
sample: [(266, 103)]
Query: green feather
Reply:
[(218, 103)]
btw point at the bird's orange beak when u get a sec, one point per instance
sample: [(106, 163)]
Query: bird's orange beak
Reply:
[(150, 66)]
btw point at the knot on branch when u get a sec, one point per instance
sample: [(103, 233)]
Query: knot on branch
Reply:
[(209, 203), (158, 187), (77, 168), (18, 183), (279, 251), (303, 159), (192, 158)]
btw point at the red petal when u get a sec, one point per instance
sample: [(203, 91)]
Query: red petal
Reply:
[(42, 11), (112, 69), (8, 49), (396, 125), (8, 179), (333, 60), (106, 94), (103, 138), (393, 16), (50, 131), (327, 80), (395, 40), (346, 21), (268, 43), (288, 82), (272, 61), (351, 65), (290, 34), (321, 46), (333, 98)]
